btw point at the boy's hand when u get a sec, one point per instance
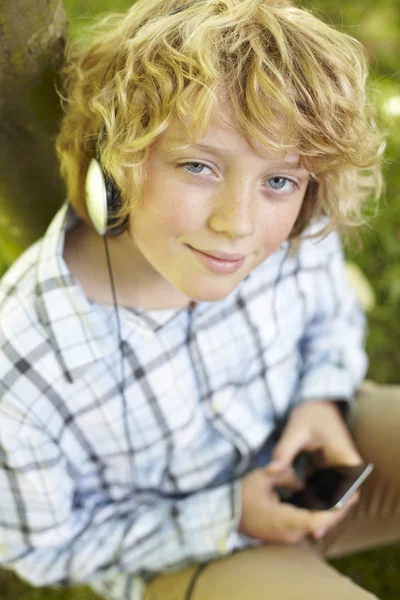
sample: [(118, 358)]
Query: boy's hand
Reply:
[(268, 519), (315, 426)]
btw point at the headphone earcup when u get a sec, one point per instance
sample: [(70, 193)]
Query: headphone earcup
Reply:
[(114, 203), (103, 201)]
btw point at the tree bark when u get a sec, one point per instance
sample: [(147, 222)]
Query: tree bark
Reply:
[(32, 38)]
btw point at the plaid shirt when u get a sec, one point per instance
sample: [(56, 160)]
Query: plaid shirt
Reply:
[(107, 489)]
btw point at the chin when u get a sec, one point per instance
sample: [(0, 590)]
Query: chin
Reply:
[(208, 294)]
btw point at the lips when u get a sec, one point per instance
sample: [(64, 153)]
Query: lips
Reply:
[(218, 262), (221, 255)]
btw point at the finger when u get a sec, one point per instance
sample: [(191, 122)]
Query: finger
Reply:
[(316, 523), (353, 499), (343, 455), (291, 443), (334, 518), (345, 509), (276, 466), (292, 518), (287, 478), (341, 449)]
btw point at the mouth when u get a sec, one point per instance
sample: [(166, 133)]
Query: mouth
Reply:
[(219, 262), (219, 255)]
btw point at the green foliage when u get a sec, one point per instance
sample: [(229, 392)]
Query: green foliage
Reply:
[(12, 588), (81, 12)]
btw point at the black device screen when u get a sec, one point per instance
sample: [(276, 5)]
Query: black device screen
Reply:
[(324, 488)]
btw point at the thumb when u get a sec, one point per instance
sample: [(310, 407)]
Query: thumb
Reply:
[(287, 478), (291, 443)]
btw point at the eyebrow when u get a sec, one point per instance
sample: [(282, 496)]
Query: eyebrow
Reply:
[(175, 145)]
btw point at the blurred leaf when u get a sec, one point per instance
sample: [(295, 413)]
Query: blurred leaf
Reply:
[(361, 286)]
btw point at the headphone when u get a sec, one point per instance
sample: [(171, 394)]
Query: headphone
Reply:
[(103, 199)]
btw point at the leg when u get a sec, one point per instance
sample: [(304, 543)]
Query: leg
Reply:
[(269, 572), (375, 521)]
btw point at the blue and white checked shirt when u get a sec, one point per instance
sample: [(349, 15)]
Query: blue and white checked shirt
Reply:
[(99, 491)]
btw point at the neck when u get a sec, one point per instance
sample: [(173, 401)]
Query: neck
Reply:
[(137, 284)]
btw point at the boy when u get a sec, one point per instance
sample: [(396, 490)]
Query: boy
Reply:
[(184, 330)]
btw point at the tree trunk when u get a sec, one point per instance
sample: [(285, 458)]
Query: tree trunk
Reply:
[(32, 37)]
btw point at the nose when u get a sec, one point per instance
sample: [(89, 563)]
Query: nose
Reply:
[(234, 210)]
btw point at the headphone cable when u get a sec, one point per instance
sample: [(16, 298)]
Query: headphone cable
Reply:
[(121, 348)]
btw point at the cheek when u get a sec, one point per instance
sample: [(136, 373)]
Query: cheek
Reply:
[(276, 227), (166, 217), (180, 214)]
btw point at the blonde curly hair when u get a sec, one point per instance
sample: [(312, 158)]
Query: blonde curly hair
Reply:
[(292, 81)]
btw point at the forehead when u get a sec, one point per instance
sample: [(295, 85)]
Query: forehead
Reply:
[(222, 137)]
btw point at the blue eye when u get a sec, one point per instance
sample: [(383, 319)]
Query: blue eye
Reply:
[(198, 167), (278, 183)]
